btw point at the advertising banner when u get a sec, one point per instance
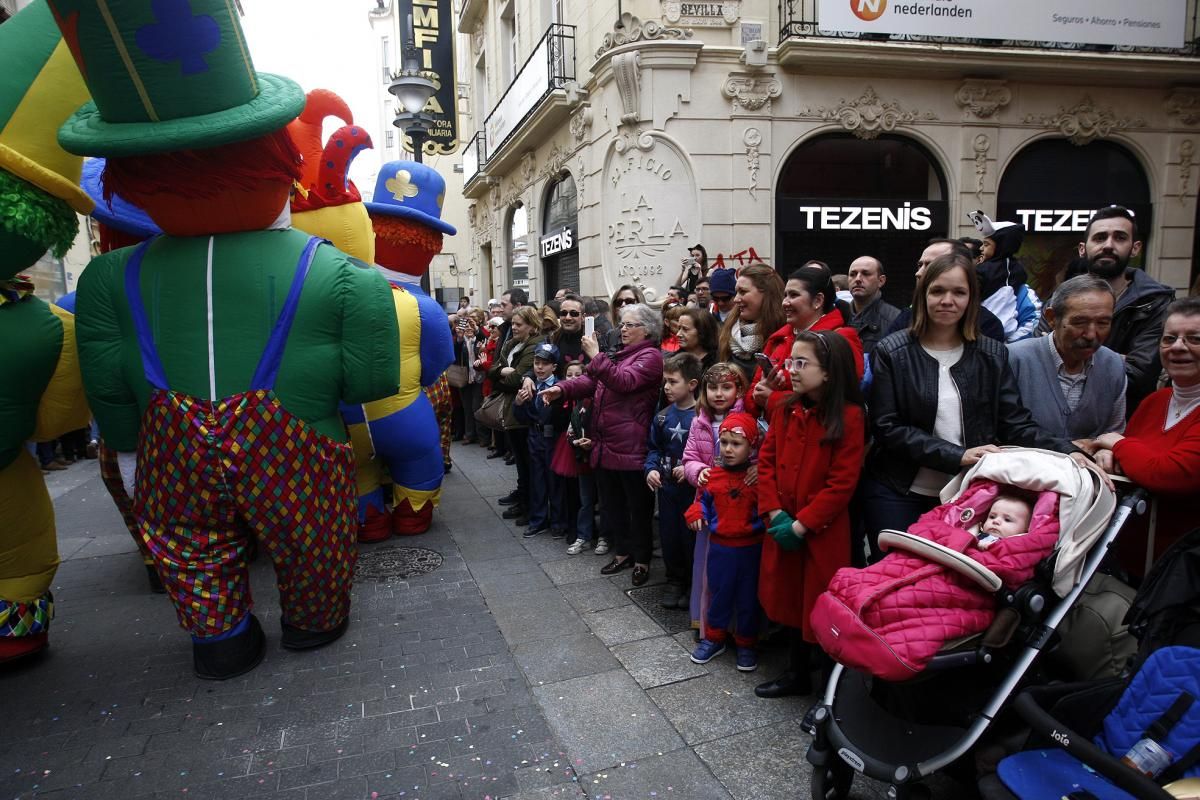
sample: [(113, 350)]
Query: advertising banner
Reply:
[(433, 34), (522, 95), (1145, 23)]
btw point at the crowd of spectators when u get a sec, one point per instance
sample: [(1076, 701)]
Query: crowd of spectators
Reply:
[(778, 425)]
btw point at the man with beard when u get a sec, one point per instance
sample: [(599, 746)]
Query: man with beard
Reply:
[(1070, 382), (1110, 241)]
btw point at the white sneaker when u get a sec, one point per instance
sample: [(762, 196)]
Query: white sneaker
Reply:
[(578, 546), (601, 546)]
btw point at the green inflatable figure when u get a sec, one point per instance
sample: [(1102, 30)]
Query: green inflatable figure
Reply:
[(219, 351), (41, 396)]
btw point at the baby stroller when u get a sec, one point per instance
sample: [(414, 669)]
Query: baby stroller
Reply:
[(1151, 716), (902, 732)]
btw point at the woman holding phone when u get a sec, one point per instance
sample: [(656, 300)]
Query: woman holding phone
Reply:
[(693, 268)]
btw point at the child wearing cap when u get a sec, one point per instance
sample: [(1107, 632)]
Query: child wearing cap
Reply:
[(729, 508), (546, 421)]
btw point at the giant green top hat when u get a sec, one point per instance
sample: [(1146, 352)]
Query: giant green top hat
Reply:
[(167, 75)]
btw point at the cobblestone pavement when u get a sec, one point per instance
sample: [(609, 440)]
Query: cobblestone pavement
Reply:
[(510, 670)]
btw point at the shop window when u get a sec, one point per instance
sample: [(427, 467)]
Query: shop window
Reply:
[(840, 197)]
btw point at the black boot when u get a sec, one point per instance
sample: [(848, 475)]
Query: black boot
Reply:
[(297, 639), (155, 581), (228, 658), (796, 678)]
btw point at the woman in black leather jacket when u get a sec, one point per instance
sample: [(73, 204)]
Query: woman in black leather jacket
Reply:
[(942, 397)]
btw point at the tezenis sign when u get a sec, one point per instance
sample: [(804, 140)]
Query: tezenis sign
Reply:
[(846, 215)]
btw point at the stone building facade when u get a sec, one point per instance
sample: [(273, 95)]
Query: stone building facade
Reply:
[(621, 141)]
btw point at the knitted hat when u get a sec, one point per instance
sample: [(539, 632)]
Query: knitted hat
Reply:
[(546, 352), (743, 424), (722, 281), (411, 190), (39, 89), (167, 75)]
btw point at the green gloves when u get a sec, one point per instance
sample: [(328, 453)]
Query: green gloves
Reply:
[(781, 531)]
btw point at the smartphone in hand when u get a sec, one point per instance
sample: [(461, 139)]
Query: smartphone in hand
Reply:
[(764, 363), (589, 326)]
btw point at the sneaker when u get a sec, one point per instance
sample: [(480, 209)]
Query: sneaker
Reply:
[(578, 546), (558, 533), (747, 659), (531, 531), (706, 651), (601, 546)]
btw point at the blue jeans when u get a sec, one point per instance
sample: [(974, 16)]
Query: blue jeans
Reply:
[(881, 508), (678, 540), (733, 586), (585, 520), (545, 490)]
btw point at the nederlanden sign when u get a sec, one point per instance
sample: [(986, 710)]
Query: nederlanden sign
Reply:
[(1144, 23), (433, 34)]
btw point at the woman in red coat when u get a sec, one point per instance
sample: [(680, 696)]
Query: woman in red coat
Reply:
[(809, 304), (1160, 450), (807, 470)]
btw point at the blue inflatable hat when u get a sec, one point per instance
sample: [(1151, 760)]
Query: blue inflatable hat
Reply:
[(120, 214), (413, 191)]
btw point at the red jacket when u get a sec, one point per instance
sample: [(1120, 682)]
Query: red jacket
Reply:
[(1167, 463), (813, 481), (779, 346), (729, 508)]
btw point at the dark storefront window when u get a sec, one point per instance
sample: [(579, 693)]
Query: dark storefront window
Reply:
[(840, 197), (1052, 186), (560, 261)]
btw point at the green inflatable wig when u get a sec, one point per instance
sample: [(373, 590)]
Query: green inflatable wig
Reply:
[(215, 356), (41, 396)]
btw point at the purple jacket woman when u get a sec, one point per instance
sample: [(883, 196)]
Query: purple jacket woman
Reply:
[(624, 390)]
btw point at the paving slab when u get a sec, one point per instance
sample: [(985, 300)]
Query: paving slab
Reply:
[(574, 569), (563, 657), (721, 704), (762, 764), (676, 774), (605, 719), (622, 624), (596, 594), (657, 661)]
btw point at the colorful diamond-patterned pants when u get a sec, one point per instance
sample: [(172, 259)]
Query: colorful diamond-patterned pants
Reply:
[(212, 474), (110, 474), (443, 408)]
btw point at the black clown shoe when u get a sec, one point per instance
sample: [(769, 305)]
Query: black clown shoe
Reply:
[(297, 639), (228, 658)]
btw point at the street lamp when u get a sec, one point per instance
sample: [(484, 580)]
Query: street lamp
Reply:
[(413, 87)]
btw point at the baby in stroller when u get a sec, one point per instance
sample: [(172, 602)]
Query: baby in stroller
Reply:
[(891, 618)]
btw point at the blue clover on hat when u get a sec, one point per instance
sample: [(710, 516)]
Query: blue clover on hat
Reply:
[(546, 352), (411, 190), (119, 214)]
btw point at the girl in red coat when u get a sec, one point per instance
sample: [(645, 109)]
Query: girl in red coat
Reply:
[(807, 470)]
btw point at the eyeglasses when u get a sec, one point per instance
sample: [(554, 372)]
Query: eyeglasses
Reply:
[(795, 364), (625, 301), (570, 313), (627, 325), (1169, 340), (721, 298)]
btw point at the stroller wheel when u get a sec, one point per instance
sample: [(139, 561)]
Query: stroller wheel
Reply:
[(832, 781)]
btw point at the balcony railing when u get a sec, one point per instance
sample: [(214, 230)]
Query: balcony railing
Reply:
[(474, 156), (550, 66), (798, 20)]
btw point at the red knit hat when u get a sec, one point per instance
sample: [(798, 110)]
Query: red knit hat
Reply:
[(743, 424)]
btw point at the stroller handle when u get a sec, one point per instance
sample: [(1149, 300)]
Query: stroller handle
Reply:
[(1079, 746)]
